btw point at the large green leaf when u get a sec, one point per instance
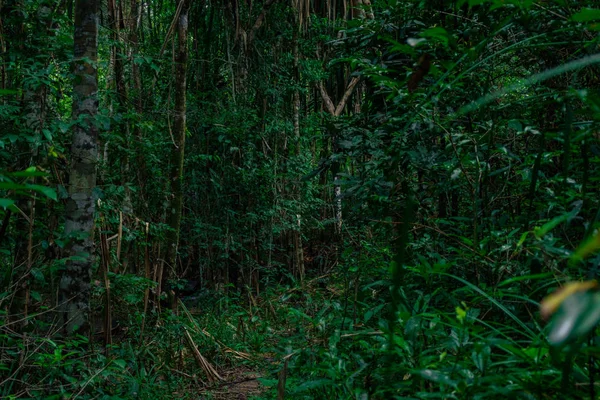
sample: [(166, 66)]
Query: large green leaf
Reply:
[(5, 203), (586, 15)]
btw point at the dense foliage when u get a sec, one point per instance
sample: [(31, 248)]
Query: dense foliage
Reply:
[(312, 200)]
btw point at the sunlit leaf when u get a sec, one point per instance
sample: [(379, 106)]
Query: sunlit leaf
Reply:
[(552, 302), (578, 314), (436, 376), (414, 42)]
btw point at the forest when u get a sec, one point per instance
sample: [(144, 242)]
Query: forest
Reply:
[(299, 199)]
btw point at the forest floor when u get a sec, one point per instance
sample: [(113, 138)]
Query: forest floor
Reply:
[(240, 383)]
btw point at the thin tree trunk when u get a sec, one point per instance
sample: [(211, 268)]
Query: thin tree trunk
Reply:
[(74, 290), (118, 52), (298, 246), (335, 112), (177, 154)]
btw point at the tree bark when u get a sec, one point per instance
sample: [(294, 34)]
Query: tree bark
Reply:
[(298, 246), (74, 290), (335, 112), (177, 154)]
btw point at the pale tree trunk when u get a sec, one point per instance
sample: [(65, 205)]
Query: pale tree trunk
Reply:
[(177, 153), (360, 9), (337, 193), (74, 290), (335, 112)]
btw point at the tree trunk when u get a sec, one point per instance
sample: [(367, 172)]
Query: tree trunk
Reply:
[(176, 175), (74, 291), (298, 246), (336, 111)]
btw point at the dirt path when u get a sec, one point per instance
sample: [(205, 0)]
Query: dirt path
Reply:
[(240, 384)]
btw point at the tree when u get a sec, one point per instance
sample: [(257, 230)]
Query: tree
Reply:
[(79, 212), (178, 150)]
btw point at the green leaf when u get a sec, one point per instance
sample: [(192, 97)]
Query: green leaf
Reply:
[(532, 80), (5, 203), (64, 126), (522, 239), (8, 92), (436, 376), (29, 172), (461, 314), (524, 278), (586, 248), (553, 223), (313, 385), (586, 15), (35, 295), (481, 358), (47, 134), (48, 192), (475, 288), (436, 33), (37, 275)]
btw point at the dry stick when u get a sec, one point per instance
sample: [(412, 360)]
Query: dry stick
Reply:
[(120, 237), (552, 12), (6, 325), (35, 351), (160, 266), (105, 264), (21, 212), (155, 271), (373, 333), (209, 370), (196, 328), (90, 380), (21, 365), (105, 251)]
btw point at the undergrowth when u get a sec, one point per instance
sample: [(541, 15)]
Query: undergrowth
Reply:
[(334, 336)]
